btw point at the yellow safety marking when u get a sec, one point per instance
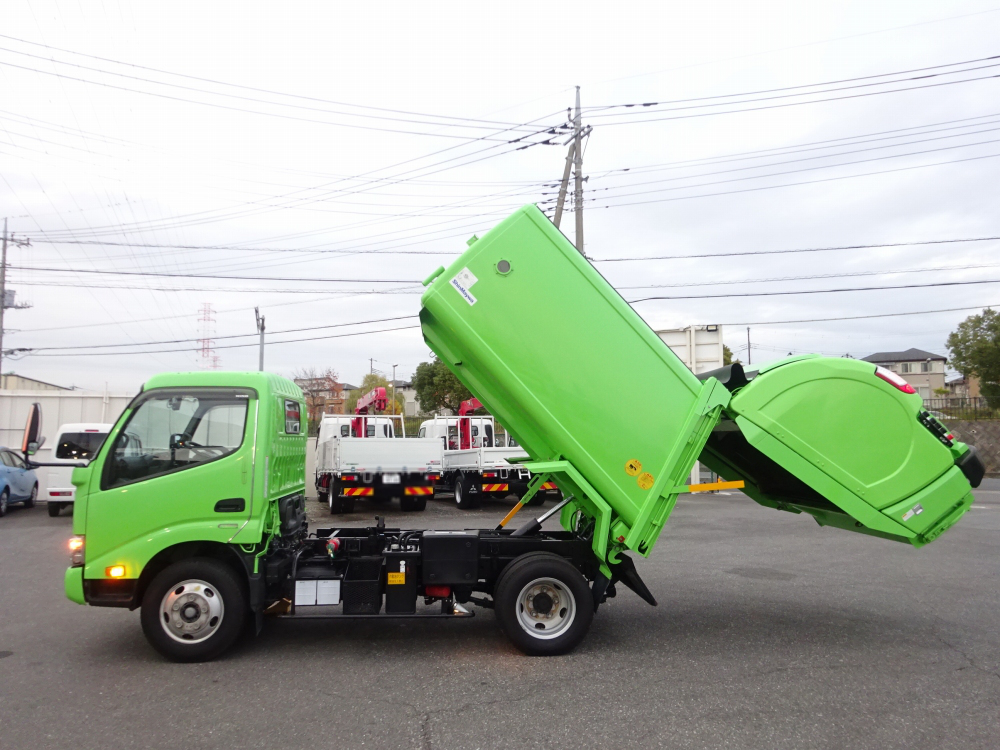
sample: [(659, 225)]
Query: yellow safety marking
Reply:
[(419, 491), (645, 480), (359, 491), (548, 486), (633, 466), (513, 512), (494, 488), (396, 579), (716, 486)]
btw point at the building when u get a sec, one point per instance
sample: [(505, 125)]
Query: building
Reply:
[(923, 370), (405, 389), (13, 382), (324, 395), (963, 387)]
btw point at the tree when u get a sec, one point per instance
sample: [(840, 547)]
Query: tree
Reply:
[(974, 349), (370, 382), (727, 356), (317, 386), (438, 388)]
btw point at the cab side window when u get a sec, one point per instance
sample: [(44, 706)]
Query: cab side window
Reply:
[(171, 432), (345, 430)]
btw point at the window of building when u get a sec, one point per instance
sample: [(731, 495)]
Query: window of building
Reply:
[(926, 367), (906, 367)]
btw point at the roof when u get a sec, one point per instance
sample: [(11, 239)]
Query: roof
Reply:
[(910, 355), (401, 383), (348, 387), (261, 381), (36, 380)]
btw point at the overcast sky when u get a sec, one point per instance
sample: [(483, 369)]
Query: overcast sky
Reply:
[(369, 141)]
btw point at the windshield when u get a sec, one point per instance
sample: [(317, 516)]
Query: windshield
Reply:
[(80, 446)]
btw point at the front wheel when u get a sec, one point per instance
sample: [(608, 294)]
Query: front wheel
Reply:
[(194, 610), (54, 509), (30, 502), (543, 604), (4, 502)]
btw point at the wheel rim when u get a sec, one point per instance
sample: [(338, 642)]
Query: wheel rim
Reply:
[(191, 611), (458, 493), (34, 493), (330, 501), (545, 608), (3, 503)]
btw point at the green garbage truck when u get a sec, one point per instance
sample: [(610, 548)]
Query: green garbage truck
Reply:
[(193, 510)]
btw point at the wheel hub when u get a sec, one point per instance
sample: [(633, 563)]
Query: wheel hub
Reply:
[(191, 611), (546, 608)]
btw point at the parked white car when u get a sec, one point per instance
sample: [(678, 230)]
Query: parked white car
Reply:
[(75, 443)]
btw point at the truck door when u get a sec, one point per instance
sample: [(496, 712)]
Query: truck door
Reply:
[(178, 468)]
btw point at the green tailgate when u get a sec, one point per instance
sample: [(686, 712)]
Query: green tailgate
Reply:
[(588, 389), (827, 437)]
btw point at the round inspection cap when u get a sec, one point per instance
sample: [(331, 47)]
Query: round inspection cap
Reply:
[(645, 480), (503, 267), (633, 466)]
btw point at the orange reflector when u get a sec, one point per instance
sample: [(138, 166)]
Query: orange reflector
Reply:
[(115, 571)]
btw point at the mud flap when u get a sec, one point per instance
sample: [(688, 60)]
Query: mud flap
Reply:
[(624, 571)]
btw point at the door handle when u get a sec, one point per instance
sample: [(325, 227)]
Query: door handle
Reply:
[(231, 505)]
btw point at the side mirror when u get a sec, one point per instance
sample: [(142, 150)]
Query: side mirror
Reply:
[(81, 476), (32, 439)]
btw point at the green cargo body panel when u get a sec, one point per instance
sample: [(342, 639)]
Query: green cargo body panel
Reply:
[(598, 401), (828, 437), (552, 350)]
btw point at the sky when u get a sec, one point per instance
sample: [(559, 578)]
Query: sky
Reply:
[(323, 158)]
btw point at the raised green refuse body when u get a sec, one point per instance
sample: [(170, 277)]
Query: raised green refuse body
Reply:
[(542, 339)]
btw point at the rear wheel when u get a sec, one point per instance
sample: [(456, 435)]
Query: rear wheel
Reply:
[(543, 604), (340, 504), (194, 610), (4, 502), (412, 503), (54, 509), (463, 499), (30, 502)]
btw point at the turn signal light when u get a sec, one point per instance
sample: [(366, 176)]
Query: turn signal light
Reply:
[(894, 380), (115, 571), (76, 548)]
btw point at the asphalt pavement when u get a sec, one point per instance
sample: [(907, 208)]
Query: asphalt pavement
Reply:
[(771, 632)]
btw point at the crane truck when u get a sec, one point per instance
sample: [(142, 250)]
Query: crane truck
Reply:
[(475, 464), (193, 510), (361, 456)]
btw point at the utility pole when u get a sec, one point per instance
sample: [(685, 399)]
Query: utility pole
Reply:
[(748, 346), (565, 182), (260, 330), (371, 365), (393, 388), (3, 284), (578, 163)]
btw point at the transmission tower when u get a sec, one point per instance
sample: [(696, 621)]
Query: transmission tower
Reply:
[(206, 318)]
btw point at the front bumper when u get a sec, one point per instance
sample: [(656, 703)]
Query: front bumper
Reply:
[(73, 583)]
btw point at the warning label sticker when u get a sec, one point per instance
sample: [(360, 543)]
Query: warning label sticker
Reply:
[(463, 281), (633, 466), (645, 480), (396, 579)]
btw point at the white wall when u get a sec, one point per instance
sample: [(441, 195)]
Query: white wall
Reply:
[(58, 408)]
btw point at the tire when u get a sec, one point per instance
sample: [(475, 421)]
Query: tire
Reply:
[(538, 499), (198, 583), (463, 499), (4, 502), (340, 504), (30, 502), (412, 503), (566, 605), (324, 497), (54, 509)]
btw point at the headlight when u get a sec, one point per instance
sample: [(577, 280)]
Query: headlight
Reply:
[(76, 548)]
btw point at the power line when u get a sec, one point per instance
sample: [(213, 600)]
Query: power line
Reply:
[(792, 88), (817, 291), (797, 250), (218, 338), (232, 346), (250, 88), (856, 317), (213, 276)]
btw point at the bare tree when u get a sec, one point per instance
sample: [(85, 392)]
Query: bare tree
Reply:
[(319, 387)]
